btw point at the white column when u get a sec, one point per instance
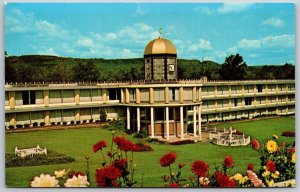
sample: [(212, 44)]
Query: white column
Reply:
[(181, 122), (167, 123), (195, 121), (138, 118), (199, 120), (128, 117), (152, 122)]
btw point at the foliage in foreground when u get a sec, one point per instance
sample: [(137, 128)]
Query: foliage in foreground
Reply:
[(11, 160)]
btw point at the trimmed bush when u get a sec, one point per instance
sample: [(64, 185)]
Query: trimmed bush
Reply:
[(11, 127), (42, 124), (65, 123), (26, 125), (103, 116), (182, 142), (142, 134), (52, 123), (238, 132), (288, 133), (77, 122), (91, 120), (35, 124), (19, 126), (84, 121), (52, 157), (72, 122), (58, 123), (97, 121), (144, 147)]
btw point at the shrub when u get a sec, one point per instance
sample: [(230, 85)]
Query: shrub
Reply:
[(84, 121), (11, 127), (19, 126), (97, 121), (144, 147), (91, 120), (77, 122), (141, 134), (35, 124), (26, 125), (288, 133), (72, 122), (58, 123), (52, 157), (65, 123), (238, 132), (103, 116), (42, 124), (52, 123), (182, 142)]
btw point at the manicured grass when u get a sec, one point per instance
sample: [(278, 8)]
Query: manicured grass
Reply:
[(78, 142)]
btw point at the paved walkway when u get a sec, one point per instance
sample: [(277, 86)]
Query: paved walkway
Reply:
[(189, 136)]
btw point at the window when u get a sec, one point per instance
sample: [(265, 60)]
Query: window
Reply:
[(259, 88), (248, 101), (173, 94), (235, 102), (28, 97)]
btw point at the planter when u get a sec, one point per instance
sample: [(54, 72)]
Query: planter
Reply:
[(285, 183)]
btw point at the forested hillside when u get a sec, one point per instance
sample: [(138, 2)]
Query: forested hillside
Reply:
[(39, 68)]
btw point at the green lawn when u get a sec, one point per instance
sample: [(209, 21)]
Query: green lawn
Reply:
[(78, 142)]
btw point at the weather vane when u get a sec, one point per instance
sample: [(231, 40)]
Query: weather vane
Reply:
[(160, 32)]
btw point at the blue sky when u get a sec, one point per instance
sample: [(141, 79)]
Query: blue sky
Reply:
[(261, 33)]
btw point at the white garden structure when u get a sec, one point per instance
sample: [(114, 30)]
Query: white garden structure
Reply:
[(229, 138), (30, 151)]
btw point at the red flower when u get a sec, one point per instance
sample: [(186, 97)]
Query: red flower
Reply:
[(109, 154), (250, 167), (292, 150), (120, 164), (135, 148), (228, 161), (167, 159), (123, 144), (200, 168), (181, 165), (271, 166), (74, 173), (255, 144), (174, 185), (223, 180), (98, 146), (107, 176)]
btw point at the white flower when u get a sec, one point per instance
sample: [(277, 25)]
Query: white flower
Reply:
[(80, 181), (44, 181), (60, 173), (204, 181)]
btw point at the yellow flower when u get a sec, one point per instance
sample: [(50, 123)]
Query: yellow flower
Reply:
[(60, 173), (273, 175), (292, 183), (80, 181), (270, 183), (271, 146), (264, 167), (44, 181), (237, 177), (294, 158), (266, 174), (243, 180), (275, 137), (277, 173)]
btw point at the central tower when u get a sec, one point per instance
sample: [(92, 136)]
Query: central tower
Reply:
[(160, 60)]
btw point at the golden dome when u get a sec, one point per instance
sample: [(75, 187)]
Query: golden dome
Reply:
[(160, 46)]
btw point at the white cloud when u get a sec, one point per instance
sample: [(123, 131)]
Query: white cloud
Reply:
[(202, 44), (233, 7), (111, 36), (50, 29), (280, 41), (18, 22), (85, 42), (49, 51), (127, 53), (232, 50), (221, 54), (249, 44), (274, 22)]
